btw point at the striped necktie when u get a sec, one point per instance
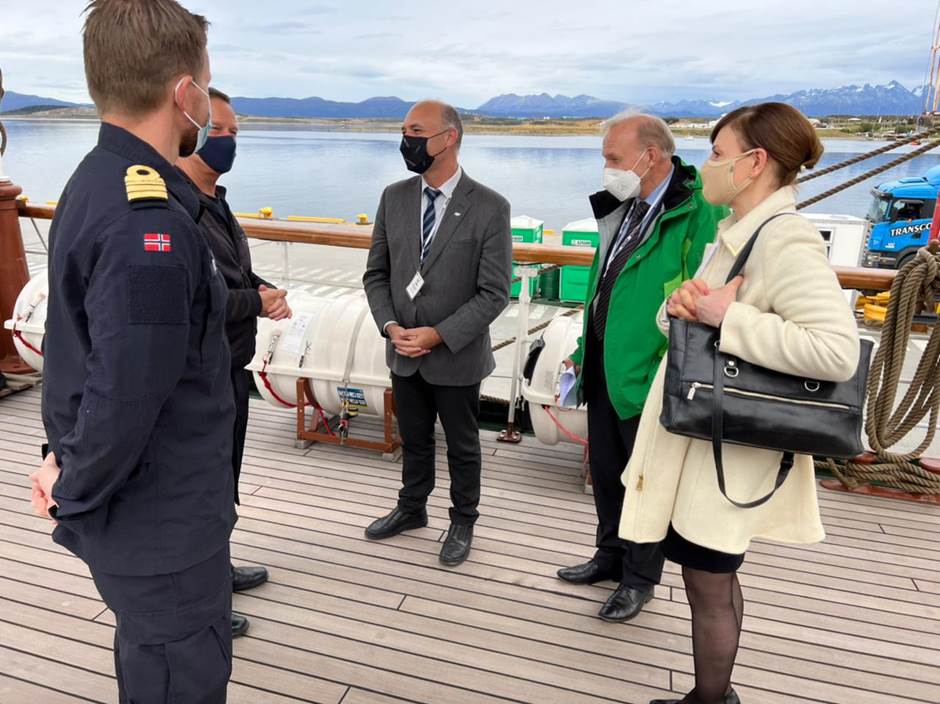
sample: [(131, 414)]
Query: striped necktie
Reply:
[(430, 216), (626, 244)]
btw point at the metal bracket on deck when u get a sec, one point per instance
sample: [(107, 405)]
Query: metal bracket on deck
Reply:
[(510, 434)]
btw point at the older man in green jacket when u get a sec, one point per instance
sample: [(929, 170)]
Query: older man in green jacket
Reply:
[(654, 226)]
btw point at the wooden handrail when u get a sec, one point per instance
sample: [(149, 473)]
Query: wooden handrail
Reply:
[(360, 237)]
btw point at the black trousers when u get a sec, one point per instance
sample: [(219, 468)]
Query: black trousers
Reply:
[(419, 405), (241, 384), (611, 444), (173, 641)]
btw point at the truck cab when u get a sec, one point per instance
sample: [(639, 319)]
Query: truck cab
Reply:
[(899, 219)]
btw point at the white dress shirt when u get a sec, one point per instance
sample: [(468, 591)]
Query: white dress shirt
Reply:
[(440, 205)]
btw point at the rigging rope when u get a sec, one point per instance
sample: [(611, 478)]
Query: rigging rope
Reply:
[(933, 144), (867, 155)]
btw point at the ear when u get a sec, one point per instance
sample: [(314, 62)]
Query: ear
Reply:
[(657, 156), (180, 84), (761, 161)]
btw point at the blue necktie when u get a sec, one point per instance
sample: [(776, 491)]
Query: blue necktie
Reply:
[(430, 216)]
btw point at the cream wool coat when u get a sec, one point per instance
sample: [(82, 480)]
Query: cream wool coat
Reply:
[(790, 316)]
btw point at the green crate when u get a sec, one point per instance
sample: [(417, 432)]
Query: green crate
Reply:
[(574, 279), (525, 229), (548, 285)]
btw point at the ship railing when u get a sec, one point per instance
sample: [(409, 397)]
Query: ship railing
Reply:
[(360, 237)]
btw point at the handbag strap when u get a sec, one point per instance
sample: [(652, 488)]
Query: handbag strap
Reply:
[(746, 252), (718, 383), (786, 463)]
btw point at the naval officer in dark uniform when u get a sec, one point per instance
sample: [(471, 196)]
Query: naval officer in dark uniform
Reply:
[(137, 399)]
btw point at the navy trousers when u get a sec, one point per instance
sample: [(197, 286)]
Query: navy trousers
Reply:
[(173, 641)]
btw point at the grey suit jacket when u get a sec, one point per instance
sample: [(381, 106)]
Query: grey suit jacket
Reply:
[(466, 277)]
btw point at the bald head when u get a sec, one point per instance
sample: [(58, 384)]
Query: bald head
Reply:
[(439, 124), (648, 130), (429, 117), (640, 143)]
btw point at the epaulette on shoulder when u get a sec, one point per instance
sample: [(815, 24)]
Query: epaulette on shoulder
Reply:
[(145, 187)]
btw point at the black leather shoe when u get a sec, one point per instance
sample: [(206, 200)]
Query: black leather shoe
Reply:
[(248, 577), (730, 698), (590, 572), (625, 603), (239, 625), (456, 544), (394, 523)]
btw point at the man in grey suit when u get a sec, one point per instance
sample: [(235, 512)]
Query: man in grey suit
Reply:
[(437, 275)]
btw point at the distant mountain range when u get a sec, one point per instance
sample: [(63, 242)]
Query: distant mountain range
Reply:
[(15, 102), (889, 99), (382, 107)]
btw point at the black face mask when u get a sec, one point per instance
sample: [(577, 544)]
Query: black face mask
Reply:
[(415, 152), (219, 153)]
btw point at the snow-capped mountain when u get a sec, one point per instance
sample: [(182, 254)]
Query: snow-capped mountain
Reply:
[(889, 99)]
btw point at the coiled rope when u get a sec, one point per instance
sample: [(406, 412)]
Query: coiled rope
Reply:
[(916, 288)]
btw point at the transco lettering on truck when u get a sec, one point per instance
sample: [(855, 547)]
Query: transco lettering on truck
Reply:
[(910, 230)]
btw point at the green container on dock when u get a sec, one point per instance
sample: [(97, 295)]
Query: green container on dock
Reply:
[(525, 229), (574, 279), (548, 284)]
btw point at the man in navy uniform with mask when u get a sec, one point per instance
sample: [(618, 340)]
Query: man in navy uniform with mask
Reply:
[(137, 399), (437, 275), (249, 296)]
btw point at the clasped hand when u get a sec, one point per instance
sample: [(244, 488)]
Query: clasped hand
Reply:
[(43, 480), (695, 300), (274, 303), (413, 342)]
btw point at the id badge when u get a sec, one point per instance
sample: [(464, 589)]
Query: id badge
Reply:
[(414, 288)]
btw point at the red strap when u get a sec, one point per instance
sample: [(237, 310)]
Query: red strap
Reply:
[(563, 429), (263, 375), (19, 336)]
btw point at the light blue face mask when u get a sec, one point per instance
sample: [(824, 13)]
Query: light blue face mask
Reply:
[(203, 134)]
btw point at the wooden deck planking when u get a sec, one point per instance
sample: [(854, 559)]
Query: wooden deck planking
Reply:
[(348, 621)]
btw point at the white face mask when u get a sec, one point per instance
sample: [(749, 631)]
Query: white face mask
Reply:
[(623, 185), (202, 133)]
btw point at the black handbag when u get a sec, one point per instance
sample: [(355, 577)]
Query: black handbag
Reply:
[(713, 396)]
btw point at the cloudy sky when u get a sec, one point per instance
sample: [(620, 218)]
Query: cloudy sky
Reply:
[(467, 52)]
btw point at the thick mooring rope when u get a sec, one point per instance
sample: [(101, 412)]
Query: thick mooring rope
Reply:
[(916, 288)]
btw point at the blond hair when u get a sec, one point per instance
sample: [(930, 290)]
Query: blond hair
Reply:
[(133, 48)]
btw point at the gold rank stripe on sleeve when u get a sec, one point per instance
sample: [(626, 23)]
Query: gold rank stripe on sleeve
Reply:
[(144, 183)]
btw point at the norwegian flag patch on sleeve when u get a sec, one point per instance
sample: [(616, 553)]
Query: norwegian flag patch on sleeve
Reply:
[(157, 242)]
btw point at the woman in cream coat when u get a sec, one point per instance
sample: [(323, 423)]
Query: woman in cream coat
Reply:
[(786, 313)]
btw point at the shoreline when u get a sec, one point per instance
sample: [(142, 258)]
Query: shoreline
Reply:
[(486, 126)]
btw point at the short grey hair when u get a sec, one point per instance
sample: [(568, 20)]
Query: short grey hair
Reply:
[(451, 119), (652, 131)]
